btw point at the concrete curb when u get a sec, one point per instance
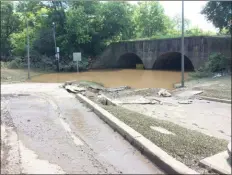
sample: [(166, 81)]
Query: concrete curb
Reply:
[(109, 101), (153, 152), (216, 99)]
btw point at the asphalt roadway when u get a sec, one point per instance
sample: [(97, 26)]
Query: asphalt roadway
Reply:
[(46, 130)]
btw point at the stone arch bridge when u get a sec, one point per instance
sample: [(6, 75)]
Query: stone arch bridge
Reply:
[(162, 53)]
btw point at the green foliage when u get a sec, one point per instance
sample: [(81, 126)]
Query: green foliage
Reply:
[(72, 66), (69, 67), (45, 63), (177, 22), (81, 26), (201, 73), (18, 41), (77, 29), (116, 20), (15, 63), (4, 64), (83, 65), (196, 31), (150, 19), (219, 13), (217, 63), (9, 24)]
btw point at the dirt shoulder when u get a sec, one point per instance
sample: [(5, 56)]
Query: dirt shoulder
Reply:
[(17, 75), (219, 87)]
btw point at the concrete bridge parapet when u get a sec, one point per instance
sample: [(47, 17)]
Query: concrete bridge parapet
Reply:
[(152, 53)]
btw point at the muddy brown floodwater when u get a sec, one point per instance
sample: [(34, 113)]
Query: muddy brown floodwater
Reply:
[(114, 78)]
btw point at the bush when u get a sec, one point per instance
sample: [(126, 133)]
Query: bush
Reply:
[(83, 65), (46, 63), (4, 64), (15, 63), (71, 66), (217, 63), (68, 67), (200, 74)]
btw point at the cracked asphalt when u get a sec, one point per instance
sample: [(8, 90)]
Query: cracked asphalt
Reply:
[(46, 130)]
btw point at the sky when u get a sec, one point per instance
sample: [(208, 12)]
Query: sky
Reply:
[(191, 11)]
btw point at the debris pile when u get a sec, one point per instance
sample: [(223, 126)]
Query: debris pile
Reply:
[(164, 93)]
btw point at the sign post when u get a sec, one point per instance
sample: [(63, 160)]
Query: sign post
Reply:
[(77, 67), (182, 47), (58, 58), (77, 57)]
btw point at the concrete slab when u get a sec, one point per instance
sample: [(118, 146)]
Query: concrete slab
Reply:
[(229, 149), (219, 162), (189, 93), (216, 99), (162, 130)]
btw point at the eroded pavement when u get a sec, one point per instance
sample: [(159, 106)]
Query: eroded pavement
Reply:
[(44, 129), (208, 117)]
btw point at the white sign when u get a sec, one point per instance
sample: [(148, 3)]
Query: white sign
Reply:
[(76, 56), (57, 49)]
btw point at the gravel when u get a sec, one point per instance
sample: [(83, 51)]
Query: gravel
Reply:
[(219, 87), (187, 146)]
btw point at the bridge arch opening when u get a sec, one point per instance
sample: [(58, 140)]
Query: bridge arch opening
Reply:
[(172, 61), (129, 61)]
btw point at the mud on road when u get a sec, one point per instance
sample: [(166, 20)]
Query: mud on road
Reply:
[(168, 122), (46, 130)]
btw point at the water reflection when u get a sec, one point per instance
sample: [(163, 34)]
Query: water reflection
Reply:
[(114, 78)]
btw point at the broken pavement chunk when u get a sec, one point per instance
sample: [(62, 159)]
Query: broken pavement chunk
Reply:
[(74, 89), (164, 93), (185, 102)]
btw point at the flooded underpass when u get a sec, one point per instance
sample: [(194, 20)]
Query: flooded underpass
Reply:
[(113, 78)]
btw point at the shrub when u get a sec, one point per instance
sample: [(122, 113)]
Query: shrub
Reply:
[(68, 67), (83, 65), (218, 63), (3, 64), (200, 74), (71, 66), (15, 63), (46, 63)]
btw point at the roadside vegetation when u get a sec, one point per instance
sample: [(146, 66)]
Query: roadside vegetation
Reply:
[(89, 27), (217, 63), (213, 78), (18, 74)]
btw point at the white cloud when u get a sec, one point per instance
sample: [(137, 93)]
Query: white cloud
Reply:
[(192, 11)]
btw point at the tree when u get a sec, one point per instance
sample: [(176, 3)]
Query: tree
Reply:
[(196, 31), (116, 20), (219, 13), (150, 19), (9, 24), (86, 26), (177, 21), (77, 29), (106, 22)]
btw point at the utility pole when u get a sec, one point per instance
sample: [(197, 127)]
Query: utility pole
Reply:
[(28, 52), (54, 37), (28, 49), (182, 47)]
